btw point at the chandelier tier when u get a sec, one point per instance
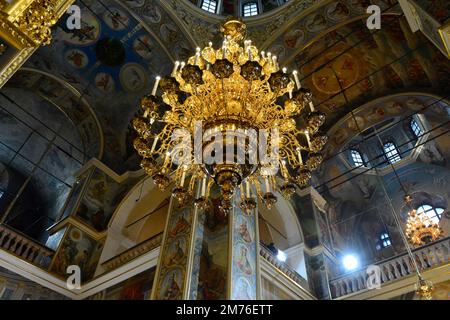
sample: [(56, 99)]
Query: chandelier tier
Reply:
[(235, 93)]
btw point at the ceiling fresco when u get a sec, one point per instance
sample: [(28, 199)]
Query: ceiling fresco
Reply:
[(352, 65), (112, 60)]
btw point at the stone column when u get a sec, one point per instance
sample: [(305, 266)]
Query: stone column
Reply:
[(318, 252)]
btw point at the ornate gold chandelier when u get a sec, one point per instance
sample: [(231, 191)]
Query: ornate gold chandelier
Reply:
[(420, 229), (230, 96)]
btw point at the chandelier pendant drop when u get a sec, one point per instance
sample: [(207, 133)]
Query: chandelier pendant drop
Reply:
[(235, 105)]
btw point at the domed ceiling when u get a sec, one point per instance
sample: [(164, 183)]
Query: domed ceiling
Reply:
[(123, 45)]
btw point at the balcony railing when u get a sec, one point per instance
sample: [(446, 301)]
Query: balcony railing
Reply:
[(283, 267), (429, 256), (22, 246)]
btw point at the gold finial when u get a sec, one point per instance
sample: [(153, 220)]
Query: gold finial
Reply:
[(234, 28)]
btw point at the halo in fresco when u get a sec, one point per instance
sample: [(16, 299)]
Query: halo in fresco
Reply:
[(75, 235), (116, 19), (89, 32), (143, 46), (76, 58), (104, 82), (133, 77)]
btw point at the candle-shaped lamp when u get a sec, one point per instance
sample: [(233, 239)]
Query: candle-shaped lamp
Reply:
[(155, 86)]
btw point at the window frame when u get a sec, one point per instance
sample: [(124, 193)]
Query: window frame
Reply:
[(384, 241), (356, 153), (244, 4), (392, 155), (208, 6), (432, 212), (415, 128)]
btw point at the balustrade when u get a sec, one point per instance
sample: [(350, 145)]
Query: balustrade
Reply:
[(429, 256), (20, 245)]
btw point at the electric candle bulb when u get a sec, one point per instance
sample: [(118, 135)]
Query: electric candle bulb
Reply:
[(183, 176), (197, 56), (299, 153), (247, 188), (275, 61), (263, 54), (175, 68), (311, 105), (154, 145), (297, 80), (266, 180), (182, 66), (308, 139), (155, 87), (204, 187)]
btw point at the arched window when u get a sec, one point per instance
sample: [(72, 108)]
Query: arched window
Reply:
[(250, 9), (415, 128), (391, 152), (434, 214), (357, 158), (209, 5), (384, 241)]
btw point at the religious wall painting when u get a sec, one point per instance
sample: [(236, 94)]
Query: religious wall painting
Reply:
[(242, 228), (172, 284), (89, 32), (104, 82), (180, 223), (116, 19), (152, 12), (210, 254), (337, 11), (245, 255), (77, 58), (294, 38), (169, 33), (77, 248), (175, 252), (243, 290), (143, 46), (242, 261), (133, 77), (101, 198)]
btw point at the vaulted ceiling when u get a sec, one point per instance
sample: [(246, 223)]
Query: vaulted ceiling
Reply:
[(123, 45)]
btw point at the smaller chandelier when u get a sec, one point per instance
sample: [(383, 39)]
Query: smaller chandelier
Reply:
[(424, 289), (420, 229)]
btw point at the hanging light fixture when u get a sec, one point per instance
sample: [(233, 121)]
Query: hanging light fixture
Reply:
[(420, 229), (424, 288), (230, 97)]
